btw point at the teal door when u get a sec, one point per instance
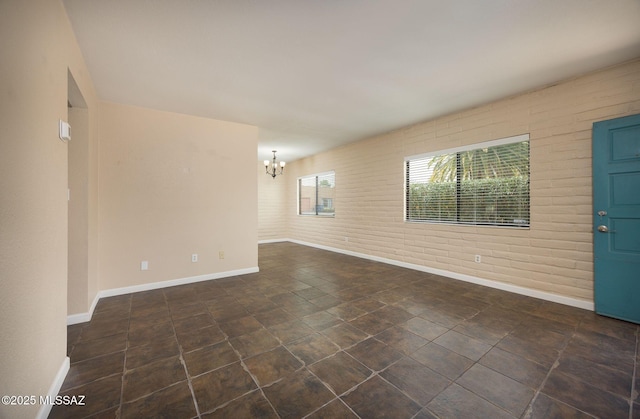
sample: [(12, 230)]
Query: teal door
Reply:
[(616, 218)]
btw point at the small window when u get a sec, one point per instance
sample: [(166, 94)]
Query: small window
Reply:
[(486, 184), (316, 194)]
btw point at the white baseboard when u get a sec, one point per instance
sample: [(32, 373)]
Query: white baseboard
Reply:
[(273, 241), (45, 409), (574, 302), (174, 282), (85, 317), (79, 318)]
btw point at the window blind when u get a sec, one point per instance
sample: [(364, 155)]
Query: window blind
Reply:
[(487, 184)]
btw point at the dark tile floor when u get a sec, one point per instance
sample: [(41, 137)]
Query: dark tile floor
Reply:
[(323, 335)]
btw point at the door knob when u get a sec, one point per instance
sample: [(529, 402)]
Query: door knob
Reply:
[(603, 229)]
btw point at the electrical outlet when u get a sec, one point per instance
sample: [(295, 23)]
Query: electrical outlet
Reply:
[(194, 257), (221, 254), (144, 265), (478, 259)]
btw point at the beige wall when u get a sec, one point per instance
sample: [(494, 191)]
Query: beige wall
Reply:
[(272, 202), (172, 185), (78, 214), (38, 49), (554, 256)]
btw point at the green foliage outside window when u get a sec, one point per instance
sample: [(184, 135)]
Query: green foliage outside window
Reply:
[(485, 186), (494, 201)]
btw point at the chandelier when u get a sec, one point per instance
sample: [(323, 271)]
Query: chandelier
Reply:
[(272, 167)]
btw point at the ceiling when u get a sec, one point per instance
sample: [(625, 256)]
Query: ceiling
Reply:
[(315, 74)]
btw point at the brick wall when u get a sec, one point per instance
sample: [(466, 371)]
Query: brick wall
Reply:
[(554, 255)]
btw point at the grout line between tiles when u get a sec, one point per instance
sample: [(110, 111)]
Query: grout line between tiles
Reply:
[(182, 360), (124, 364)]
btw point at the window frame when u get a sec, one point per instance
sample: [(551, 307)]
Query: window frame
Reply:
[(317, 213), (486, 144)]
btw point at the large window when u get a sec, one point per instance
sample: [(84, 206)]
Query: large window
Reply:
[(486, 184), (316, 194)]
